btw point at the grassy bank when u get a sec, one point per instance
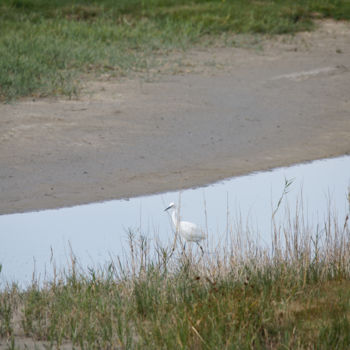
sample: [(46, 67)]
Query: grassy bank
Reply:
[(47, 47), (293, 295)]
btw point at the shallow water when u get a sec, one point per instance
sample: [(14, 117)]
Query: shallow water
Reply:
[(31, 241)]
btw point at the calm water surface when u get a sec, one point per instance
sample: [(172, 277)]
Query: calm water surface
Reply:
[(97, 231)]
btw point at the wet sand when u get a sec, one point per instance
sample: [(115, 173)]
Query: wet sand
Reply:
[(226, 112)]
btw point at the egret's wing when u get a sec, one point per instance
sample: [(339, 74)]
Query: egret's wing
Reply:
[(191, 232), (188, 227)]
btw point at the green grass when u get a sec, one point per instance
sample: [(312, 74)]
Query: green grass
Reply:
[(185, 311), (48, 47), (266, 307), (240, 296)]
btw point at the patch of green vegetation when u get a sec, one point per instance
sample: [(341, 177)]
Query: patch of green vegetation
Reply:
[(47, 46), (184, 310)]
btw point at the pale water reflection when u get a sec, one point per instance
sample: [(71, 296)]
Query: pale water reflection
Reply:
[(96, 231)]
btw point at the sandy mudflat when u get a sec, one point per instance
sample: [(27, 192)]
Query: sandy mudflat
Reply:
[(223, 112)]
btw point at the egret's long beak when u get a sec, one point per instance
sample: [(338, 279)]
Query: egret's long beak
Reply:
[(170, 206)]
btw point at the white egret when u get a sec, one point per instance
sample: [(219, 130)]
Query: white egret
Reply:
[(188, 230)]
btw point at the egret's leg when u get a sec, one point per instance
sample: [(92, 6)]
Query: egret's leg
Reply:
[(184, 250), (201, 248)]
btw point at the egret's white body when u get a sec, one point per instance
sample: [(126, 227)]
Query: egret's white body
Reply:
[(188, 230)]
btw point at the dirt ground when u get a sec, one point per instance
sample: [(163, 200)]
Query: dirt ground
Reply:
[(207, 115)]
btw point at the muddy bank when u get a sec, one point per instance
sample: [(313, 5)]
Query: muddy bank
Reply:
[(229, 111)]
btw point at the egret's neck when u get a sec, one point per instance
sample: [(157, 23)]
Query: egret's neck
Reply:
[(174, 217)]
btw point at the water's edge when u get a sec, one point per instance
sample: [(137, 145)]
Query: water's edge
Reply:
[(98, 230)]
